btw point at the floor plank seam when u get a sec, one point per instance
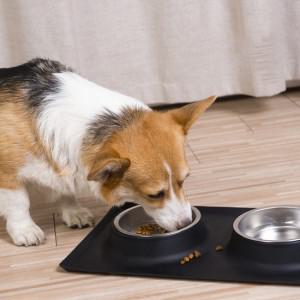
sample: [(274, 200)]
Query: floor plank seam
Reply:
[(194, 154), (54, 228), (246, 124), (293, 101)]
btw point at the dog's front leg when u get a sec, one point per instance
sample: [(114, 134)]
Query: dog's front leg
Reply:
[(14, 206)]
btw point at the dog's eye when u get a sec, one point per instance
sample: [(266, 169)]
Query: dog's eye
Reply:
[(158, 195)]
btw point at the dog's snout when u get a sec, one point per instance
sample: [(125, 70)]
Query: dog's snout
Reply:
[(184, 223), (174, 216)]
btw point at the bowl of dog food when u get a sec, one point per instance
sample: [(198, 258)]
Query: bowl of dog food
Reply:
[(268, 235), (135, 222), (144, 242)]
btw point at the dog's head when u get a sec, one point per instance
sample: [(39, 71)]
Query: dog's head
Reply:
[(145, 162)]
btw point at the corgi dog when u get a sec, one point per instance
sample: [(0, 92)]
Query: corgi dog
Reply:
[(66, 133)]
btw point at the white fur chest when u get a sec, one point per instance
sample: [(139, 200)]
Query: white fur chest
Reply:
[(38, 171)]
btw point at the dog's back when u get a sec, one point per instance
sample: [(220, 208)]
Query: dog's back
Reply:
[(35, 79)]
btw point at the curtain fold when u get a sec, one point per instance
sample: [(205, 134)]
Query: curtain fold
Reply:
[(161, 51)]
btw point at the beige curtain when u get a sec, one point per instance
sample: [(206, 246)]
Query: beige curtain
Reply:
[(161, 50)]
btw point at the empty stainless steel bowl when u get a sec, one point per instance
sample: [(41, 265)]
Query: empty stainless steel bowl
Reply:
[(130, 219), (270, 224)]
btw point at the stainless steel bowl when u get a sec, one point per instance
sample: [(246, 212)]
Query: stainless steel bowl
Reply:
[(270, 224), (130, 219)]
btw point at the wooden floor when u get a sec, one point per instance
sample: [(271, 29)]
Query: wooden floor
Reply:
[(243, 152)]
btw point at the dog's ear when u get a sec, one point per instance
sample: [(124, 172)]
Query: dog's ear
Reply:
[(188, 114), (108, 167)]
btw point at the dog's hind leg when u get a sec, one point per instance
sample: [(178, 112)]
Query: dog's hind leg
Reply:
[(73, 214)]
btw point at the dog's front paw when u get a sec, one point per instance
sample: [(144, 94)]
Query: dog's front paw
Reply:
[(77, 217), (25, 234)]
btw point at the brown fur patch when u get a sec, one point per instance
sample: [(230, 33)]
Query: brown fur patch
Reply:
[(18, 138), (156, 141)]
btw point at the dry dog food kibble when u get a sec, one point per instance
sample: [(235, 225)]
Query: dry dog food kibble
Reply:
[(150, 229), (188, 258), (191, 256), (219, 248), (197, 253)]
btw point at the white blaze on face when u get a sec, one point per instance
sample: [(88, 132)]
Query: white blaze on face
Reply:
[(176, 213)]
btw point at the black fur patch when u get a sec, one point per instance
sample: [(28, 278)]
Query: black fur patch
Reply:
[(35, 78), (105, 125)]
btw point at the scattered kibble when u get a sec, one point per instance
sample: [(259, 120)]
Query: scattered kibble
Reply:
[(219, 248), (191, 256), (197, 253), (149, 229)]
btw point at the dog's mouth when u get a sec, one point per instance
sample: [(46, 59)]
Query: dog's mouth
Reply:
[(171, 219)]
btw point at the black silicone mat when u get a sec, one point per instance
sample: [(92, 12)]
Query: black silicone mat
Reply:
[(96, 254)]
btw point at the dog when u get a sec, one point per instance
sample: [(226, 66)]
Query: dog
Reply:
[(66, 133)]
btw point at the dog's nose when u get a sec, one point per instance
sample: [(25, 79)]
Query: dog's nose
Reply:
[(184, 223)]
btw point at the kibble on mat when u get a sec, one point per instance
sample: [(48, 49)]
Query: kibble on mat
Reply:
[(219, 248), (191, 256)]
